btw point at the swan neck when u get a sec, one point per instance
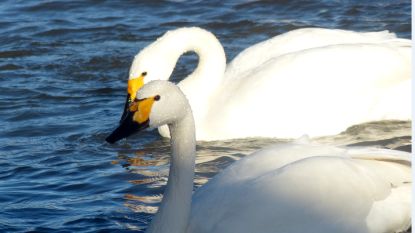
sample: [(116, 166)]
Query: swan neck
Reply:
[(212, 60), (174, 211)]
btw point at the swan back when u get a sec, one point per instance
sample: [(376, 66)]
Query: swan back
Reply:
[(298, 40), (318, 91), (298, 187)]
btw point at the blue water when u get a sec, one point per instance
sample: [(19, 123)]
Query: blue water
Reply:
[(63, 69)]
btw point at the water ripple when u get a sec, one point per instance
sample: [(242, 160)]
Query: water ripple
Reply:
[(63, 67)]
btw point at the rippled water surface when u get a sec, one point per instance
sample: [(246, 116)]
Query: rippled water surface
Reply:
[(63, 69)]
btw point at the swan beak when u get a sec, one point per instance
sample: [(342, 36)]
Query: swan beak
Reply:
[(133, 86), (136, 119)]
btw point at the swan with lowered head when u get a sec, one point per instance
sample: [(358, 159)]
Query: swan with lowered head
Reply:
[(298, 82), (290, 188)]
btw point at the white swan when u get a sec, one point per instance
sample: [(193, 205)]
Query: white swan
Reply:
[(290, 188), (298, 82)]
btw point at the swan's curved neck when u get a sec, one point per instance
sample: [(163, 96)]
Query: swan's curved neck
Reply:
[(212, 59), (174, 211)]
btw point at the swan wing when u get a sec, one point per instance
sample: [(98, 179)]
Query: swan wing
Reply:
[(298, 40), (352, 83), (338, 190)]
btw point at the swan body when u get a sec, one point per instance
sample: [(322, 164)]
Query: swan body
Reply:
[(307, 188), (292, 188), (308, 81)]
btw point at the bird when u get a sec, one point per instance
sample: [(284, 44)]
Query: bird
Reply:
[(293, 187), (297, 81)]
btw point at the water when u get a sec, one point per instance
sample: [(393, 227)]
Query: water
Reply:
[(63, 69)]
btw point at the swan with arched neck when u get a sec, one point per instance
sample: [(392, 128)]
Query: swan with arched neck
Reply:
[(308, 81)]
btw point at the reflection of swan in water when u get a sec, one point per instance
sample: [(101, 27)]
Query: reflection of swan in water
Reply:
[(288, 188), (308, 81)]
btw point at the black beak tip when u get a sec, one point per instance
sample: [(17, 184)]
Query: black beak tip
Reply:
[(110, 139), (127, 128), (118, 134)]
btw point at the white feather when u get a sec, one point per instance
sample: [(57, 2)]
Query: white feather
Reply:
[(308, 81)]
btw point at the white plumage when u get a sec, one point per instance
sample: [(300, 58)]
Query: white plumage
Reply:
[(308, 81), (292, 188), (295, 188)]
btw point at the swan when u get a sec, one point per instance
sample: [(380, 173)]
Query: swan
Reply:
[(292, 188), (298, 82)]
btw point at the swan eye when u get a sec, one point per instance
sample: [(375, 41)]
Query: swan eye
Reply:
[(144, 74), (157, 98)]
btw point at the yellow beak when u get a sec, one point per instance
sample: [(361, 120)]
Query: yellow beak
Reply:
[(134, 85)]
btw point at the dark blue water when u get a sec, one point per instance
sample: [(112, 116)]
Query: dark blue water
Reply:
[(63, 69)]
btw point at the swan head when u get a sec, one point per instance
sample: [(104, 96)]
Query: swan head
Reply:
[(151, 63), (156, 104), (154, 62)]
